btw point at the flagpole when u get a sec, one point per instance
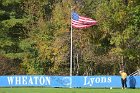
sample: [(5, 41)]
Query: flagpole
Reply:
[(71, 53)]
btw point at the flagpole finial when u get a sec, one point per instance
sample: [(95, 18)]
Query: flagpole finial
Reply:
[(74, 7)]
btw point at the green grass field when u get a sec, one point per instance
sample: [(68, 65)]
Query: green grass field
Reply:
[(66, 90)]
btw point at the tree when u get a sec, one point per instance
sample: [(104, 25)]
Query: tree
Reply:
[(11, 30)]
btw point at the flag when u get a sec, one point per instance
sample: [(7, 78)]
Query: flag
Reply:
[(81, 21)]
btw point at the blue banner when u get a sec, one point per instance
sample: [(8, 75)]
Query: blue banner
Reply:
[(67, 81)]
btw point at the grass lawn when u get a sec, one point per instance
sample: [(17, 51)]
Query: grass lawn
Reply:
[(66, 90)]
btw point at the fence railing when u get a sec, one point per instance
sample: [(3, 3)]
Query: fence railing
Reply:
[(136, 73)]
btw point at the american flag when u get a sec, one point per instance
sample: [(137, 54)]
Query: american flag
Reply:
[(82, 22)]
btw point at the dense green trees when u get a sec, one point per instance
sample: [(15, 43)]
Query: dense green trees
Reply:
[(35, 37)]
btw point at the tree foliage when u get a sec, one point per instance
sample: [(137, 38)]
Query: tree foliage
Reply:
[(35, 36)]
